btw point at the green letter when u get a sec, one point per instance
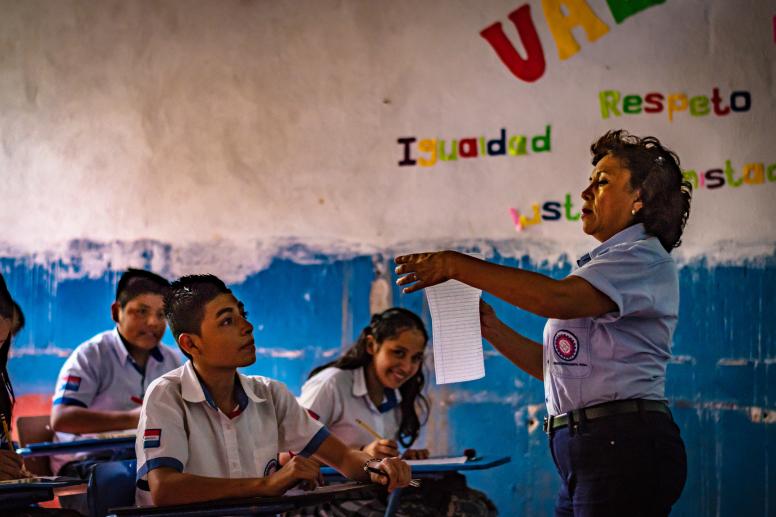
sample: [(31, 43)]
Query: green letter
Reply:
[(609, 100), (541, 143), (692, 177), (699, 106), (622, 9), (568, 206), (729, 175), (631, 104)]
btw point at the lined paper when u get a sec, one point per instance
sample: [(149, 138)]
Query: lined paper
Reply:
[(455, 323)]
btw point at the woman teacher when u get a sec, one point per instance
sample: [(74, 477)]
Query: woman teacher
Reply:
[(608, 337)]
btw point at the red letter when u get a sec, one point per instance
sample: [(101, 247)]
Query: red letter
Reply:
[(715, 100), (656, 100), (529, 69)]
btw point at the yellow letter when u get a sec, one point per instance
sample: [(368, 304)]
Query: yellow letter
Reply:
[(427, 145), (754, 173), (676, 102), (561, 25), (692, 177), (536, 219)]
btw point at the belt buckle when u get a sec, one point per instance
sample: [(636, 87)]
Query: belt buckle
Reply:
[(546, 425)]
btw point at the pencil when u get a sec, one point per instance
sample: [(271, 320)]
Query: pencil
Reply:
[(368, 429), (6, 433)]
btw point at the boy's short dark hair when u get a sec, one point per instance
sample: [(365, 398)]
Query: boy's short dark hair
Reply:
[(136, 282), (184, 303)]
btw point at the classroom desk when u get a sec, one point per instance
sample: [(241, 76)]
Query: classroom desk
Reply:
[(429, 471), (253, 505), (19, 495), (76, 446)]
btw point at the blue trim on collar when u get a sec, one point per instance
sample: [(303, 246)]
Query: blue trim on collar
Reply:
[(239, 393), (314, 443), (630, 234), (390, 403), (156, 353)]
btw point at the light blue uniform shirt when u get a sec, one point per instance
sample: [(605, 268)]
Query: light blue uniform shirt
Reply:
[(622, 354)]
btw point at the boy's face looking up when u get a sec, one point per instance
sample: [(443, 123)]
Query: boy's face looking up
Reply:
[(141, 320), (225, 338)]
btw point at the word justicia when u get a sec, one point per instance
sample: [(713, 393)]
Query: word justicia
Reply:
[(427, 152)]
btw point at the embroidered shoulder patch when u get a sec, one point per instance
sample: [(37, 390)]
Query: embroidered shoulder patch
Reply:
[(72, 383), (152, 438), (566, 345)]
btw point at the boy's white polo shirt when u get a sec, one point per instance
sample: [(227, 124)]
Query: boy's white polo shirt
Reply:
[(182, 428), (101, 375), (338, 397)]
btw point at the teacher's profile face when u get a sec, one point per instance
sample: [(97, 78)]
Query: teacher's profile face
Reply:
[(609, 199)]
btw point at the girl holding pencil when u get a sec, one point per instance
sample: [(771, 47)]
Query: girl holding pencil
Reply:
[(372, 398)]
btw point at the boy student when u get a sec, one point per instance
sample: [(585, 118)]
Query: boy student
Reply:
[(101, 385), (207, 432)]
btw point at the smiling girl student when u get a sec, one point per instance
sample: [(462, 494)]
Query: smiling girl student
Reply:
[(379, 381)]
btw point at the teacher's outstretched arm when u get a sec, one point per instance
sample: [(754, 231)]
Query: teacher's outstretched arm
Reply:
[(571, 297)]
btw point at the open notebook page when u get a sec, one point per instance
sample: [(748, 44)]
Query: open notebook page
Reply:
[(455, 323)]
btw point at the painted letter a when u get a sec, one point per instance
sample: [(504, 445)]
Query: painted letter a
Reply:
[(532, 67)]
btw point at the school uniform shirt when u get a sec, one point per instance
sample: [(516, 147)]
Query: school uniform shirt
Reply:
[(338, 397), (101, 375), (182, 428), (622, 354)]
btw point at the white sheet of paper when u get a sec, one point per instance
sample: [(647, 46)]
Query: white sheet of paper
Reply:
[(448, 460), (455, 323)]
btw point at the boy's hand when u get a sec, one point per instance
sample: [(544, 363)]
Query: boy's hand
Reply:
[(415, 454), (382, 449), (298, 470), (11, 465), (398, 474)]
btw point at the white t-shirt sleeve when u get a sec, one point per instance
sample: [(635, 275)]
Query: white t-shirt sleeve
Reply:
[(79, 380), (298, 432), (161, 433)]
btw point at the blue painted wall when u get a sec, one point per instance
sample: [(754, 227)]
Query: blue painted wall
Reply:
[(721, 383)]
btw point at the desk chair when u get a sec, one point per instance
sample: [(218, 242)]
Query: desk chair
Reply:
[(35, 429), (112, 484)]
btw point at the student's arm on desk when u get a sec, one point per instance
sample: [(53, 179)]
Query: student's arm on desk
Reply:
[(79, 420), (11, 466), (168, 486), (350, 463), (526, 354)]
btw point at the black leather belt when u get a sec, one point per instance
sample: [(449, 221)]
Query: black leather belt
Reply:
[(616, 407)]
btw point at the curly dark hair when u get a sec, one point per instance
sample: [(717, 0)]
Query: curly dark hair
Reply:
[(388, 325), (655, 172)]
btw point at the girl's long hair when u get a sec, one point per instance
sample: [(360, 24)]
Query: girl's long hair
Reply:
[(388, 325), (7, 398)]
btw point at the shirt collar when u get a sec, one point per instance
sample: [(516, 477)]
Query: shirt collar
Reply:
[(630, 234), (120, 343), (194, 390), (391, 398)]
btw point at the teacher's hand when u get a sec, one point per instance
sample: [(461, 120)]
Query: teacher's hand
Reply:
[(489, 322), (423, 270)]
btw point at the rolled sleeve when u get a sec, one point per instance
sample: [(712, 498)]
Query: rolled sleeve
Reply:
[(628, 277), (161, 434), (322, 398), (78, 380), (297, 430)]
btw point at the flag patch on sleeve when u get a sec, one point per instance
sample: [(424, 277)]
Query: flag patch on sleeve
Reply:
[(72, 383), (152, 438)]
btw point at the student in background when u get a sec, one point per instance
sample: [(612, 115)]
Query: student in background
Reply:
[(207, 432), (11, 465), (101, 385), (379, 381)]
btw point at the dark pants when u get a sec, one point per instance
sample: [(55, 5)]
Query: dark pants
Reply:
[(632, 464)]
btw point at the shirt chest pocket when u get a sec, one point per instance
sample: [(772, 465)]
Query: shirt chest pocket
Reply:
[(568, 348)]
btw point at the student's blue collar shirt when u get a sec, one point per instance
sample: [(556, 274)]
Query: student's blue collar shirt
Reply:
[(622, 354)]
